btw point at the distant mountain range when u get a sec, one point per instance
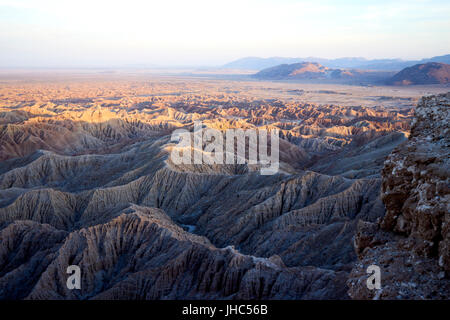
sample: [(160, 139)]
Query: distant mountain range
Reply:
[(256, 63), (315, 72), (427, 73), (301, 71)]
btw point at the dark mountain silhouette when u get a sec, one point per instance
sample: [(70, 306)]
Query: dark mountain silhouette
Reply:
[(427, 73)]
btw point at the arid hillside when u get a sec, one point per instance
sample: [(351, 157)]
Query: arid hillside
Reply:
[(427, 73), (315, 72)]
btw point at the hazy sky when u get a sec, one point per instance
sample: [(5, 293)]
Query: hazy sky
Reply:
[(209, 32)]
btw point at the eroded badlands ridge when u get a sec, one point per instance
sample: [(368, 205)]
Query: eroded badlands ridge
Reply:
[(142, 254), (87, 180), (411, 244)]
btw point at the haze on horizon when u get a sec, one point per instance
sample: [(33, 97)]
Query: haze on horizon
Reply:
[(104, 33)]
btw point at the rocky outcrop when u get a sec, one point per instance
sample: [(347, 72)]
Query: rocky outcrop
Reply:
[(411, 244)]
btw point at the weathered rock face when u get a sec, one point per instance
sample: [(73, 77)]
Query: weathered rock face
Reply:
[(412, 242), (416, 181)]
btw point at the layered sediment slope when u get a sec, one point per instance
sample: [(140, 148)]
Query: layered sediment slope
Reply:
[(87, 180), (142, 254), (411, 244)]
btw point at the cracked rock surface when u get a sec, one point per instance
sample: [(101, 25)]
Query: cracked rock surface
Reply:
[(411, 244)]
